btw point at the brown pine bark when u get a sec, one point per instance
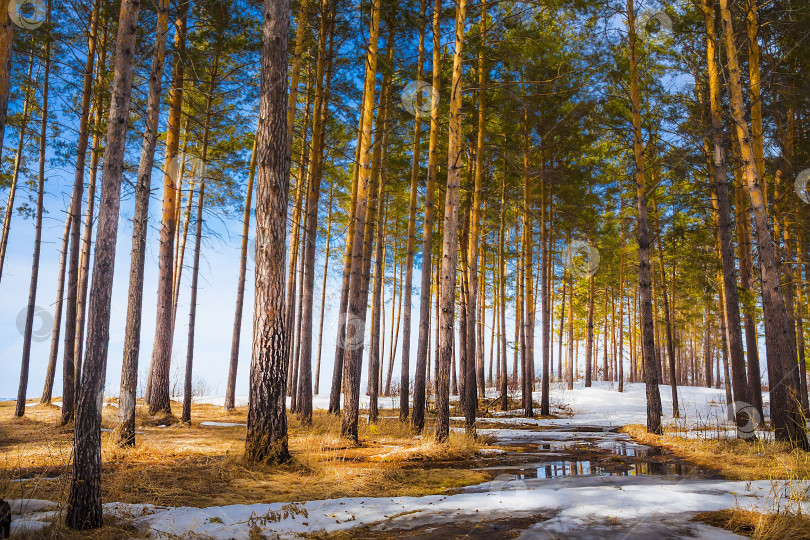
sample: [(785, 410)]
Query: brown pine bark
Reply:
[(266, 439), (746, 258), (421, 379), (722, 216), (311, 223), (404, 377), (89, 213), (195, 271), (84, 502), (327, 254), (32, 290), (667, 319), (376, 304), (643, 233), (230, 391), (70, 361), (783, 372), (450, 239), (590, 353), (353, 356), (157, 396), (132, 334), (50, 373)]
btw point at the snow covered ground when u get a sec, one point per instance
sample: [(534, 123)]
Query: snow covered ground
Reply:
[(571, 507)]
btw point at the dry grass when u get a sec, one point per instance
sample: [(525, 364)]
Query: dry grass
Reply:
[(759, 526), (736, 459), (202, 465)]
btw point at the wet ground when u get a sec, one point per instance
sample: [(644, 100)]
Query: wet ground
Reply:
[(564, 458)]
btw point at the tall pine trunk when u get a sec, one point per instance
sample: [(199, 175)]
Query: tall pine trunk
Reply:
[(157, 390), (450, 240), (70, 362), (84, 502), (266, 439), (230, 391), (132, 334), (422, 347), (783, 371), (643, 234), (32, 290)]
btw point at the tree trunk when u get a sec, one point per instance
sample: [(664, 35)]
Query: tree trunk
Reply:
[(70, 362), (192, 315), (645, 286), (32, 290), (450, 240), (376, 304), (230, 391), (132, 335), (781, 351), (84, 502), (266, 439), (158, 390), (589, 348), (50, 373), (722, 215), (421, 379), (195, 271), (327, 254), (354, 355), (311, 224)]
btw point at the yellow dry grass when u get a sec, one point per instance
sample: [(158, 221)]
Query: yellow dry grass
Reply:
[(202, 465), (759, 526), (736, 459)]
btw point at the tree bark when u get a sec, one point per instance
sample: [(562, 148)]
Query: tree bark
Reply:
[(50, 373), (158, 391), (84, 502), (420, 379), (266, 439), (70, 361), (132, 334), (354, 355), (230, 391), (783, 370), (311, 225), (645, 286), (32, 290), (450, 240)]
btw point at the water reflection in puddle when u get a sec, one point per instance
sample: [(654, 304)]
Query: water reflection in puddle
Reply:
[(557, 469)]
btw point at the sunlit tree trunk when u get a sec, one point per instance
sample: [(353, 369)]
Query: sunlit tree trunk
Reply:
[(132, 334), (230, 391), (70, 361), (84, 502), (643, 233), (32, 290), (783, 372), (722, 216), (354, 356), (157, 396), (450, 239), (422, 347), (266, 439), (327, 254)]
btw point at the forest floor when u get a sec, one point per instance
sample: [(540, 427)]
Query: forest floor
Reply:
[(581, 473)]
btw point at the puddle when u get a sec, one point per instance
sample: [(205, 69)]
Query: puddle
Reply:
[(558, 469)]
